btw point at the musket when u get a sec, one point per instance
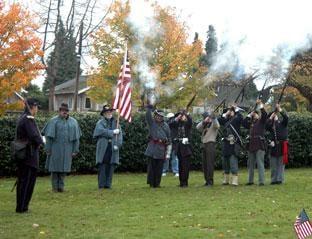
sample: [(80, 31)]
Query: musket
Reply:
[(222, 103), (190, 102), (283, 89), (242, 91), (260, 94)]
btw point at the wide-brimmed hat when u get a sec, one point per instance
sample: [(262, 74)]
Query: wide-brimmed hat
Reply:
[(64, 107), (159, 112), (106, 108)]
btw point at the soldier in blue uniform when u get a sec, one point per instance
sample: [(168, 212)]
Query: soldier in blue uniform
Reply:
[(231, 119), (109, 140), (278, 144), (158, 148), (180, 128), (27, 131), (62, 134), (256, 122)]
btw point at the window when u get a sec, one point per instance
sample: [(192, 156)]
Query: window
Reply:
[(88, 103), (70, 102)]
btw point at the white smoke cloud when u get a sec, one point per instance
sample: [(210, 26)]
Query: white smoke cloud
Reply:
[(253, 30), (143, 22)]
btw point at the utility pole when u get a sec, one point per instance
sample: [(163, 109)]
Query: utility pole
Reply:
[(78, 68)]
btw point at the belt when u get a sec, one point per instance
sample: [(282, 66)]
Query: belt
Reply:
[(159, 141)]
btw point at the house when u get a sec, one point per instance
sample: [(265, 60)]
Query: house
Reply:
[(65, 93)]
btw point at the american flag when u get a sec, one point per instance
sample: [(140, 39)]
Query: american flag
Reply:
[(303, 227), (122, 101)]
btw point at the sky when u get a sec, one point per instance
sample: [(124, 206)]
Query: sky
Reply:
[(254, 28)]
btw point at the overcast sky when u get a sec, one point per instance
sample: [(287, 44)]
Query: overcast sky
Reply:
[(262, 24)]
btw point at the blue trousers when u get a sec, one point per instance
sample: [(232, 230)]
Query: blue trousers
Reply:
[(105, 175), (174, 163)]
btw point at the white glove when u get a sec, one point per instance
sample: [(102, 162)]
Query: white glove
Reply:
[(185, 141), (116, 131), (272, 144), (115, 147), (44, 140)]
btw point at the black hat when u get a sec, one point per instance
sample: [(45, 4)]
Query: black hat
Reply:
[(106, 108), (206, 114), (159, 112), (64, 107), (32, 102)]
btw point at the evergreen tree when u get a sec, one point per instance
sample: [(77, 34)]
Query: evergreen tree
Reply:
[(211, 46), (62, 60), (33, 91)]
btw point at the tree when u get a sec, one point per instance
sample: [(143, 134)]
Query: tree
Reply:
[(19, 51), (211, 46), (80, 12), (62, 59), (300, 75), (164, 52), (33, 91)]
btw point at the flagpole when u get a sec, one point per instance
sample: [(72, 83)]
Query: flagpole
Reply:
[(123, 73)]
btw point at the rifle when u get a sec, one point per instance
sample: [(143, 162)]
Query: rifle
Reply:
[(222, 103), (190, 102), (283, 89), (247, 81), (259, 97)]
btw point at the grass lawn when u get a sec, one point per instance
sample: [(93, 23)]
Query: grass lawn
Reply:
[(133, 210)]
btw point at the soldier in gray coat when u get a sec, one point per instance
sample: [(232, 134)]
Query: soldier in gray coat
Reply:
[(159, 147), (62, 144), (109, 140)]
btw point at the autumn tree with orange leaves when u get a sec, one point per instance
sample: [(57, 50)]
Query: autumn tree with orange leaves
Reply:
[(19, 52), (175, 60)]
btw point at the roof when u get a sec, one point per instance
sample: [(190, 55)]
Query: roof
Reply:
[(68, 87), (229, 91)]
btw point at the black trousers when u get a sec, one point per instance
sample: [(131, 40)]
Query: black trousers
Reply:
[(25, 186), (209, 155), (154, 171), (184, 169)]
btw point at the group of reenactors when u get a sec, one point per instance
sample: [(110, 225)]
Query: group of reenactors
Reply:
[(168, 137), (173, 138)]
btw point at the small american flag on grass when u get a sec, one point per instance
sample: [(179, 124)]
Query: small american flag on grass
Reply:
[(303, 226)]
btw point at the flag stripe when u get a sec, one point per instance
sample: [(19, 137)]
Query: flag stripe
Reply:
[(122, 101), (302, 226)]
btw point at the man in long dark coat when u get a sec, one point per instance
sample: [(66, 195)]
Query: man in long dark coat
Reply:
[(62, 134), (158, 148), (278, 144), (256, 122), (109, 140), (27, 131), (180, 134)]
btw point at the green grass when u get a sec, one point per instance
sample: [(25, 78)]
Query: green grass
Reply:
[(133, 210)]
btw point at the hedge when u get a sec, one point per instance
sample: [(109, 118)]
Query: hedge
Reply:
[(135, 140)]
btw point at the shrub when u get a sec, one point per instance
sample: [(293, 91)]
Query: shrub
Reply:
[(135, 141)]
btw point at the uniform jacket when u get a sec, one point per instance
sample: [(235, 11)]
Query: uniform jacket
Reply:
[(27, 130), (256, 132), (278, 133), (179, 130), (62, 140), (157, 131), (103, 133), (209, 134), (236, 121)]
